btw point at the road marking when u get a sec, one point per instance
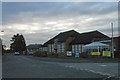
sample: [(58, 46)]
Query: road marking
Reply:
[(103, 65)]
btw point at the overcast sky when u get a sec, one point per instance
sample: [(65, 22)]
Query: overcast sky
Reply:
[(40, 21)]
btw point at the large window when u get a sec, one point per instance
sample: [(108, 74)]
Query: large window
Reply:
[(58, 47), (76, 48), (63, 49), (73, 50), (45, 48), (50, 48), (79, 48), (82, 48)]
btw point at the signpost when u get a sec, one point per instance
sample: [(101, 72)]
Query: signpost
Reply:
[(96, 53), (106, 53), (69, 53), (77, 54)]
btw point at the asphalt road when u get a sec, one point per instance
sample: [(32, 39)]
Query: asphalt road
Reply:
[(31, 67)]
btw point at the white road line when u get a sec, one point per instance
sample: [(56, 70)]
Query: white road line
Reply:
[(103, 65)]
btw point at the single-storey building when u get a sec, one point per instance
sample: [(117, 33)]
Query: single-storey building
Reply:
[(96, 47), (34, 47), (72, 41), (61, 42), (116, 42), (116, 45), (86, 38)]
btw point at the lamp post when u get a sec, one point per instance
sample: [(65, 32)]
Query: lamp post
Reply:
[(112, 41), (2, 31), (1, 41)]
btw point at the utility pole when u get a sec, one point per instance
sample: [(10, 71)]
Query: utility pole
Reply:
[(2, 31), (112, 42)]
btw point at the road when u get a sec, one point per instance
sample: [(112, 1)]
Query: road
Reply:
[(19, 66)]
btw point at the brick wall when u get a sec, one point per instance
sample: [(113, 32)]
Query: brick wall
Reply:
[(68, 47)]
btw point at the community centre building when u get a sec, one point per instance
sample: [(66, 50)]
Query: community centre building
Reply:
[(63, 42), (72, 41), (86, 38)]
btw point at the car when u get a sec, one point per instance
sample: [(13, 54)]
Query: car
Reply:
[(16, 53), (31, 52)]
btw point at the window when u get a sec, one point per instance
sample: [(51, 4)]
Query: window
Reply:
[(76, 48), (63, 50), (82, 48), (58, 48), (73, 50), (79, 48), (44, 48), (50, 48)]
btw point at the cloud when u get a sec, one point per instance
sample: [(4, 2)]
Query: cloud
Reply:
[(34, 11), (39, 22)]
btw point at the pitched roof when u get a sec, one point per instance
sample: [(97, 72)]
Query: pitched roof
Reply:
[(95, 44), (87, 37), (63, 36), (34, 46)]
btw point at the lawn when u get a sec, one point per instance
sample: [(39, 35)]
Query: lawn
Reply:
[(89, 58)]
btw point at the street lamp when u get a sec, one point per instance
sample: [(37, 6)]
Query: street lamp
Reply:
[(112, 41), (1, 42), (2, 31)]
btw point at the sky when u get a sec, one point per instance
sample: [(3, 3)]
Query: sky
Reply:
[(40, 21)]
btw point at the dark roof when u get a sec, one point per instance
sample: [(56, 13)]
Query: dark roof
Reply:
[(87, 37), (63, 36), (34, 46)]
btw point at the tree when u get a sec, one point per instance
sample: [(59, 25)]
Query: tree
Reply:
[(18, 43)]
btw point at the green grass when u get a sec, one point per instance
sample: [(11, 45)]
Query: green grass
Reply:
[(103, 59), (64, 57), (90, 58)]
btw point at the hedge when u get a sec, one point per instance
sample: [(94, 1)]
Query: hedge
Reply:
[(40, 53)]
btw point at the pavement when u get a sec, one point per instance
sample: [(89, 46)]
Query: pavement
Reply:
[(19, 66)]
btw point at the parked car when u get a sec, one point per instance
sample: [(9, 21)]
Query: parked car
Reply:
[(16, 53), (31, 52)]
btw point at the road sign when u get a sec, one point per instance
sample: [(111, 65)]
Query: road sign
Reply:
[(77, 54), (106, 53), (58, 43), (96, 53), (69, 53)]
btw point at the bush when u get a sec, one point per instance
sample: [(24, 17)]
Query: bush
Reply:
[(117, 54), (83, 55), (26, 52), (40, 53)]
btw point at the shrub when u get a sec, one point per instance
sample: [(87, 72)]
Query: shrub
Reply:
[(40, 53), (26, 52), (117, 54), (83, 55)]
